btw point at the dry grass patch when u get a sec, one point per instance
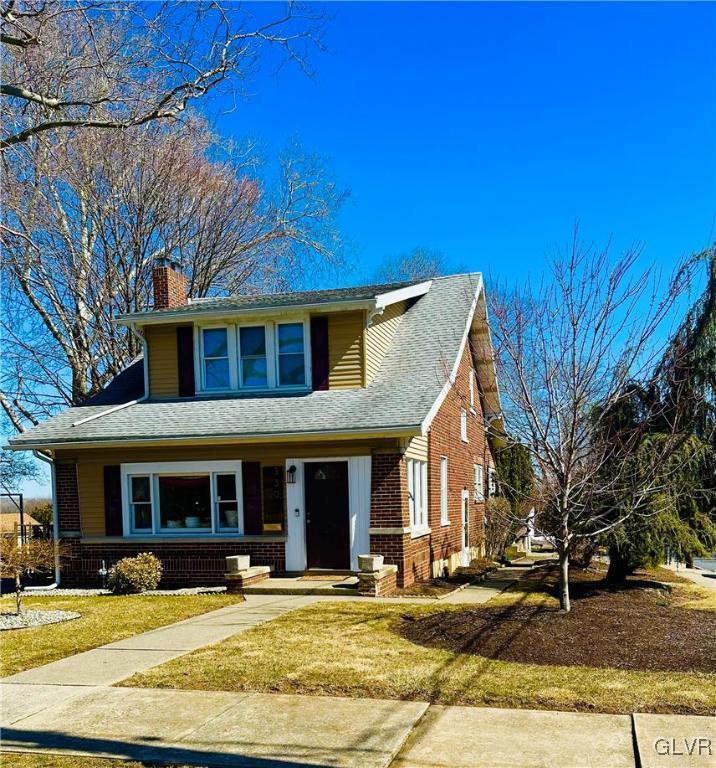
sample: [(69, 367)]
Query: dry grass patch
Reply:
[(31, 760), (356, 649), (104, 619)]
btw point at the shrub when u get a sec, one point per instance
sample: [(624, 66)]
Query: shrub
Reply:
[(131, 575), (500, 526)]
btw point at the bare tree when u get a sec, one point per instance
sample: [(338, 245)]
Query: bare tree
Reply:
[(92, 214), (110, 64), (418, 264), (20, 558), (565, 345)]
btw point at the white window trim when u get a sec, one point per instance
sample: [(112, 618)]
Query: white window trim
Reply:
[(463, 426), (271, 356), (306, 354), (444, 488), (267, 350), (479, 486), (418, 522), (491, 482), (154, 469), (230, 351)]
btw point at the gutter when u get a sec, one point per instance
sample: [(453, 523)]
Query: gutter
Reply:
[(55, 519)]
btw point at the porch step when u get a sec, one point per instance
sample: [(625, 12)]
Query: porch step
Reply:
[(294, 586)]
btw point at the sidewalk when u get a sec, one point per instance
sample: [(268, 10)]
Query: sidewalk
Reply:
[(254, 729), (703, 578)]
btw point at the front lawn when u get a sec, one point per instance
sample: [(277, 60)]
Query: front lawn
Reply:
[(33, 760), (371, 649), (104, 619)]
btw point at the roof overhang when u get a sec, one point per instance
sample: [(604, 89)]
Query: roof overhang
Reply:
[(194, 310), (228, 439)]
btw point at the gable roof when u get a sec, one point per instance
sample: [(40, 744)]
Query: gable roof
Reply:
[(401, 399)]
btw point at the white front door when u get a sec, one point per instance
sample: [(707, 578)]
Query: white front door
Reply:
[(465, 555)]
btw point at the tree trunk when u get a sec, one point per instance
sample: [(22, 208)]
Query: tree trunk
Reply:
[(689, 560), (618, 567), (18, 594), (564, 601)]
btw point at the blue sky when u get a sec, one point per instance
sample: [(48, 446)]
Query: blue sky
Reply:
[(485, 130)]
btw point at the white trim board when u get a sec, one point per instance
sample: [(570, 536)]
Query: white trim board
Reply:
[(359, 483)]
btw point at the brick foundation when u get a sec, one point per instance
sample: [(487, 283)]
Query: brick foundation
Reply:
[(187, 564)]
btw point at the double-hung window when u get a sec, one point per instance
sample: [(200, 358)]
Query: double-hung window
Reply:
[(252, 351), (492, 482), (463, 425), (291, 355), (444, 517), (215, 358), (479, 483), (183, 497), (140, 503), (418, 494)]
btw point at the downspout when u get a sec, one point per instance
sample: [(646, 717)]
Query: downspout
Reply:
[(55, 519)]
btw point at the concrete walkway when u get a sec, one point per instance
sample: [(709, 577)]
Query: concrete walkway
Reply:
[(706, 579)]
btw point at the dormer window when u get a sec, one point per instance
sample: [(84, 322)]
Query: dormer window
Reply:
[(291, 355), (252, 350), (215, 352), (253, 357)]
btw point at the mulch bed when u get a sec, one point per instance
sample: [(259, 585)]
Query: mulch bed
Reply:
[(637, 627)]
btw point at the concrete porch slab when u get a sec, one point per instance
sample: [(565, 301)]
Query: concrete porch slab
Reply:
[(472, 737), (296, 585), (676, 741)]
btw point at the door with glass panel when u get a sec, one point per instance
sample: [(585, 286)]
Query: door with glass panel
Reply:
[(465, 555)]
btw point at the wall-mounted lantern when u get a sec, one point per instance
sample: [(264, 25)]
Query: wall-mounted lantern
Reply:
[(291, 474)]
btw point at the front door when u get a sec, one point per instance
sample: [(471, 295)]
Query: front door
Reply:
[(465, 528), (327, 518)]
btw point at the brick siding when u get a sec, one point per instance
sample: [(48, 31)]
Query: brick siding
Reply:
[(170, 288), (68, 499), (187, 564), (444, 439)]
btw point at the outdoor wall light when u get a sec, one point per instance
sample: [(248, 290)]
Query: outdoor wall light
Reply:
[(291, 474)]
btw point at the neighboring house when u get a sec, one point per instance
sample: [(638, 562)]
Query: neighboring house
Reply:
[(303, 429), (11, 525)]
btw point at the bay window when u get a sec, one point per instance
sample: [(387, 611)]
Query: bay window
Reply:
[(182, 498)]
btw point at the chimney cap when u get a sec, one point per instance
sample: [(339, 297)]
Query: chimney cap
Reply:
[(168, 261)]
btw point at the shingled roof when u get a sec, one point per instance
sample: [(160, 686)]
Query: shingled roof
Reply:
[(400, 400)]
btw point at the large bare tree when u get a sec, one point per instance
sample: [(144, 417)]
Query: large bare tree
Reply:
[(88, 214), (569, 344), (112, 64)]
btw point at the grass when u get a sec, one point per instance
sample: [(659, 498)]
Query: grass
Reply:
[(31, 760), (104, 619), (356, 649)]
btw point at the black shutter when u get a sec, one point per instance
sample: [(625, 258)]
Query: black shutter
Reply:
[(112, 501), (251, 484), (319, 352), (185, 360)]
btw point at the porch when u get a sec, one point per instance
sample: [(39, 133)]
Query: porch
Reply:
[(345, 585)]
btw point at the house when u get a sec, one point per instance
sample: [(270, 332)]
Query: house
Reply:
[(302, 429)]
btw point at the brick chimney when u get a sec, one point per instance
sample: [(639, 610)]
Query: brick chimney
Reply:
[(169, 285)]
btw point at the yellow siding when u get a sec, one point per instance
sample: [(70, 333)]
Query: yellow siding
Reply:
[(416, 447), (90, 478), (379, 336), (345, 350), (90, 464), (163, 368)]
